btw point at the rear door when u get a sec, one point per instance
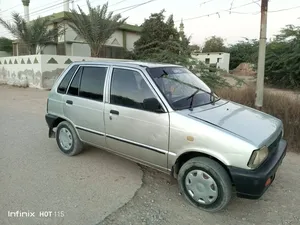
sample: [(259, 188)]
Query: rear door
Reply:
[(131, 129), (83, 103)]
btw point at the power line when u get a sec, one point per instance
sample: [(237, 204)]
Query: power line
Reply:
[(135, 6), (287, 9), (132, 7), (46, 5), (218, 12), (203, 3), (117, 3), (9, 8)]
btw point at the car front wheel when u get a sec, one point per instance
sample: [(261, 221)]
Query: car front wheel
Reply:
[(205, 184)]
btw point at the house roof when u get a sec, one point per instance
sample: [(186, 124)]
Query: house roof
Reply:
[(60, 16)]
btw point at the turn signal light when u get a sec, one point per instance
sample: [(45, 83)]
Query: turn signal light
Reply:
[(268, 182)]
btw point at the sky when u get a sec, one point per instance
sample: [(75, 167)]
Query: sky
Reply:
[(230, 19)]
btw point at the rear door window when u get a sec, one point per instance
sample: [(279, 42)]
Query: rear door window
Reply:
[(92, 83), (62, 88)]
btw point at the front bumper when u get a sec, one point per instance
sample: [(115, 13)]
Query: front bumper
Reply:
[(252, 184)]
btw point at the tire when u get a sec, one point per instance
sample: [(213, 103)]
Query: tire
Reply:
[(67, 139), (209, 176)]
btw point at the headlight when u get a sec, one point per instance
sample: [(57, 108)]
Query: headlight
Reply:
[(258, 156)]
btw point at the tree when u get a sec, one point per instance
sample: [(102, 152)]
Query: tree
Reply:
[(214, 44), (195, 48), (96, 27), (283, 58), (161, 42), (32, 34), (6, 44), (245, 51)]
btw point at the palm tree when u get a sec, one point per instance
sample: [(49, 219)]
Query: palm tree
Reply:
[(33, 34), (96, 27)]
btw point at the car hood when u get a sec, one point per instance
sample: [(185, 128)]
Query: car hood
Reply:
[(256, 127)]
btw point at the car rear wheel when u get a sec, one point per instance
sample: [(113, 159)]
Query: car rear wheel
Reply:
[(205, 184), (67, 139)]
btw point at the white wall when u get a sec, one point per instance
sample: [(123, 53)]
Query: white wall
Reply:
[(53, 65), (213, 58), (39, 71), (130, 39), (21, 71), (5, 54), (79, 49), (116, 39), (50, 50)]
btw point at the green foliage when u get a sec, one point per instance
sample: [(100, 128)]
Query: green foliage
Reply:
[(161, 42), (96, 27), (194, 48), (6, 44), (283, 59), (214, 44), (32, 34), (210, 77), (243, 51)]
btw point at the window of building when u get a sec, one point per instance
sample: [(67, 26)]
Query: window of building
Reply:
[(74, 86), (219, 60), (61, 49), (92, 83), (129, 89), (207, 60), (112, 52), (62, 88)]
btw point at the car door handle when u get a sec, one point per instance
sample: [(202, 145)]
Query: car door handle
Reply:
[(114, 112), (69, 102)]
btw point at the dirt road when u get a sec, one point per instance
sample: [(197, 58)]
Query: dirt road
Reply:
[(100, 188)]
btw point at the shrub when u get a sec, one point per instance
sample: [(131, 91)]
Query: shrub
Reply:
[(282, 106)]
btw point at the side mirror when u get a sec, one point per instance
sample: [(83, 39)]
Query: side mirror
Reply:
[(153, 105)]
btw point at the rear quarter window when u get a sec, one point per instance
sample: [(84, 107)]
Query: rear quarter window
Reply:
[(62, 88)]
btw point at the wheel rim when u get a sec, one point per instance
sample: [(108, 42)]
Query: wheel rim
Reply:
[(65, 139), (201, 187)]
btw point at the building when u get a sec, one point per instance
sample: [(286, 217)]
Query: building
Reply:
[(219, 59), (71, 44)]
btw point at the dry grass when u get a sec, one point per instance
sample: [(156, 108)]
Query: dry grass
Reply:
[(282, 106)]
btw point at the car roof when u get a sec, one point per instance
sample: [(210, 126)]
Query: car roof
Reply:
[(129, 63)]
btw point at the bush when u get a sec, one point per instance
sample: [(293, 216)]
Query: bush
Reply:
[(279, 105)]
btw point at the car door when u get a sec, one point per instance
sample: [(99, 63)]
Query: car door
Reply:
[(84, 104), (132, 130)]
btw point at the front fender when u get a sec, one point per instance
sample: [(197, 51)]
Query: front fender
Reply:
[(172, 159)]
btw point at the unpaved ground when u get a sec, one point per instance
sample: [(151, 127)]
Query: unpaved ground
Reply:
[(85, 198), (158, 202), (36, 177)]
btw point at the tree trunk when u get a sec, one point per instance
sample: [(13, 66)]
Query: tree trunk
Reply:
[(32, 49), (96, 51)]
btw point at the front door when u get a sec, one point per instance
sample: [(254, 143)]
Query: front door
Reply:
[(84, 104), (131, 129)]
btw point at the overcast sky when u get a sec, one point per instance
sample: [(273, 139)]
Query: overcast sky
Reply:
[(241, 22)]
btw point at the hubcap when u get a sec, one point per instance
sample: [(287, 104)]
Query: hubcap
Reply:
[(201, 187), (65, 139)]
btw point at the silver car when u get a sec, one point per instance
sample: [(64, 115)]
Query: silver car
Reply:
[(163, 116)]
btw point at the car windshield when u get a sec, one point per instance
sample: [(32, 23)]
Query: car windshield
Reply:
[(181, 87)]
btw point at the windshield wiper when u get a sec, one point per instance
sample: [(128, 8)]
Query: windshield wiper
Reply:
[(192, 100)]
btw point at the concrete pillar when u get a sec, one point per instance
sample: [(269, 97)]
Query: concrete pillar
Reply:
[(66, 5), (26, 9)]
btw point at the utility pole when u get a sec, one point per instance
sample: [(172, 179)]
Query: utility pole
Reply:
[(261, 56)]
